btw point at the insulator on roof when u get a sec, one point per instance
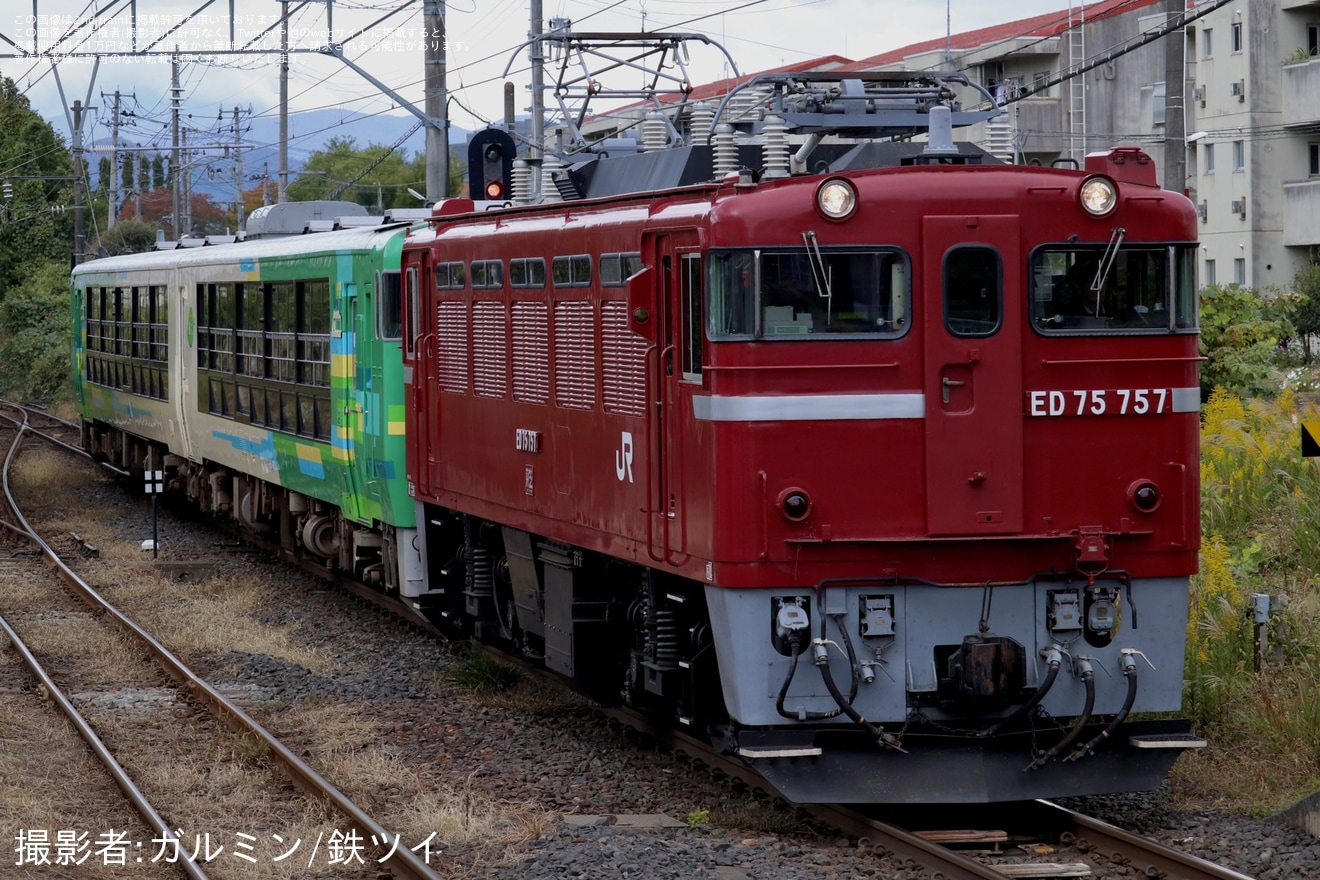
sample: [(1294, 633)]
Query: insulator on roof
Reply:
[(549, 165), (774, 147), (725, 151), (522, 182), (700, 123), (655, 131)]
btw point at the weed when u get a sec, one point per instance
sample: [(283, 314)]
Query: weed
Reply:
[(477, 671)]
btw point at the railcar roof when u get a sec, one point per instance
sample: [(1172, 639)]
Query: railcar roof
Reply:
[(309, 244)]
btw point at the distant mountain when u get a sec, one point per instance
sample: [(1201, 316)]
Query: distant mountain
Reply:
[(308, 133)]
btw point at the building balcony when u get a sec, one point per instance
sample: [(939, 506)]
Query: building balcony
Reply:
[(1301, 213), (1301, 83)]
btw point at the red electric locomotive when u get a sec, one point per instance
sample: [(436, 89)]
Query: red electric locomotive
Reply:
[(885, 474)]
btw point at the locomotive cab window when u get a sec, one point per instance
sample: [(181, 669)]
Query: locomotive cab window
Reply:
[(1084, 289), (973, 291), (389, 305), (803, 293)]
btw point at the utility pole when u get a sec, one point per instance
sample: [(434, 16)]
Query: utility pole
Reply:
[(238, 170), (176, 96), (79, 236), (1175, 87), (185, 220), (284, 101), (538, 95), (113, 189), (437, 131)]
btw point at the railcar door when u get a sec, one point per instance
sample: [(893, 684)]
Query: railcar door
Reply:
[(974, 308), (677, 259), (422, 376), (348, 416)]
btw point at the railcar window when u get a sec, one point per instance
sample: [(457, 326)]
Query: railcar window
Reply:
[(160, 323), (264, 353), (123, 322), (527, 272), (572, 271), (795, 294), (141, 322), (314, 333), (389, 305), (487, 274), (973, 284), (126, 340), (450, 276), (1093, 289), (251, 300), (615, 269), (415, 329), (690, 293)]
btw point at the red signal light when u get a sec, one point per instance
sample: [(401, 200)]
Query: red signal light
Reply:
[(494, 190)]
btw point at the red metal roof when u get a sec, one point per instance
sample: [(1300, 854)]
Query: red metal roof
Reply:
[(1049, 24)]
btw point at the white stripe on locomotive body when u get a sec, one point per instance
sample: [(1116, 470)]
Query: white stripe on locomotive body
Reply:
[(828, 407), (809, 407)]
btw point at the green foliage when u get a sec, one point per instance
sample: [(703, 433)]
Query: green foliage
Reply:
[(385, 176), (1240, 334), (698, 817), (128, 237), (34, 336), (1261, 520), (34, 225), (477, 671), (1305, 306)]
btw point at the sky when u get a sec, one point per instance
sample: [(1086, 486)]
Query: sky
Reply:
[(483, 36)]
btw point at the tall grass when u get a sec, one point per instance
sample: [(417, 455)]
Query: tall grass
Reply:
[(1261, 525)]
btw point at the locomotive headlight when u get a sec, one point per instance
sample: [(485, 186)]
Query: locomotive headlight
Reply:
[(836, 198), (1144, 496), (1098, 195), (794, 505)]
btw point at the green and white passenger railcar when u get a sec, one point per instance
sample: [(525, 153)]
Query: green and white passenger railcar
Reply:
[(265, 378)]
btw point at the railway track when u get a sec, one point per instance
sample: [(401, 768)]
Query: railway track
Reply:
[(153, 675), (1030, 840)]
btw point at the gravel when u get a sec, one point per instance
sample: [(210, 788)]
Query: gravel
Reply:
[(558, 756)]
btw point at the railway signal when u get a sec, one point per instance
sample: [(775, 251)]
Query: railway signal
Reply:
[(490, 164), (155, 485), (1310, 439)]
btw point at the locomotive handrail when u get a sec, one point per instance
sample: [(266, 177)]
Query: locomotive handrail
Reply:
[(797, 368), (652, 442), (1112, 360)]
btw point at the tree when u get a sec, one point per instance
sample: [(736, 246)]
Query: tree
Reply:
[(380, 177), (158, 176), (1240, 334), (1305, 314), (128, 236), (34, 336), (35, 225), (208, 218)]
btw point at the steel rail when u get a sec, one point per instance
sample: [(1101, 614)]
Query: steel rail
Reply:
[(938, 860), (116, 770), (1159, 861), (403, 860), (56, 441)]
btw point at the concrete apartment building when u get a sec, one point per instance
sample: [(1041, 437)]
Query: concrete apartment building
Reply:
[(1252, 112), (1250, 98)]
